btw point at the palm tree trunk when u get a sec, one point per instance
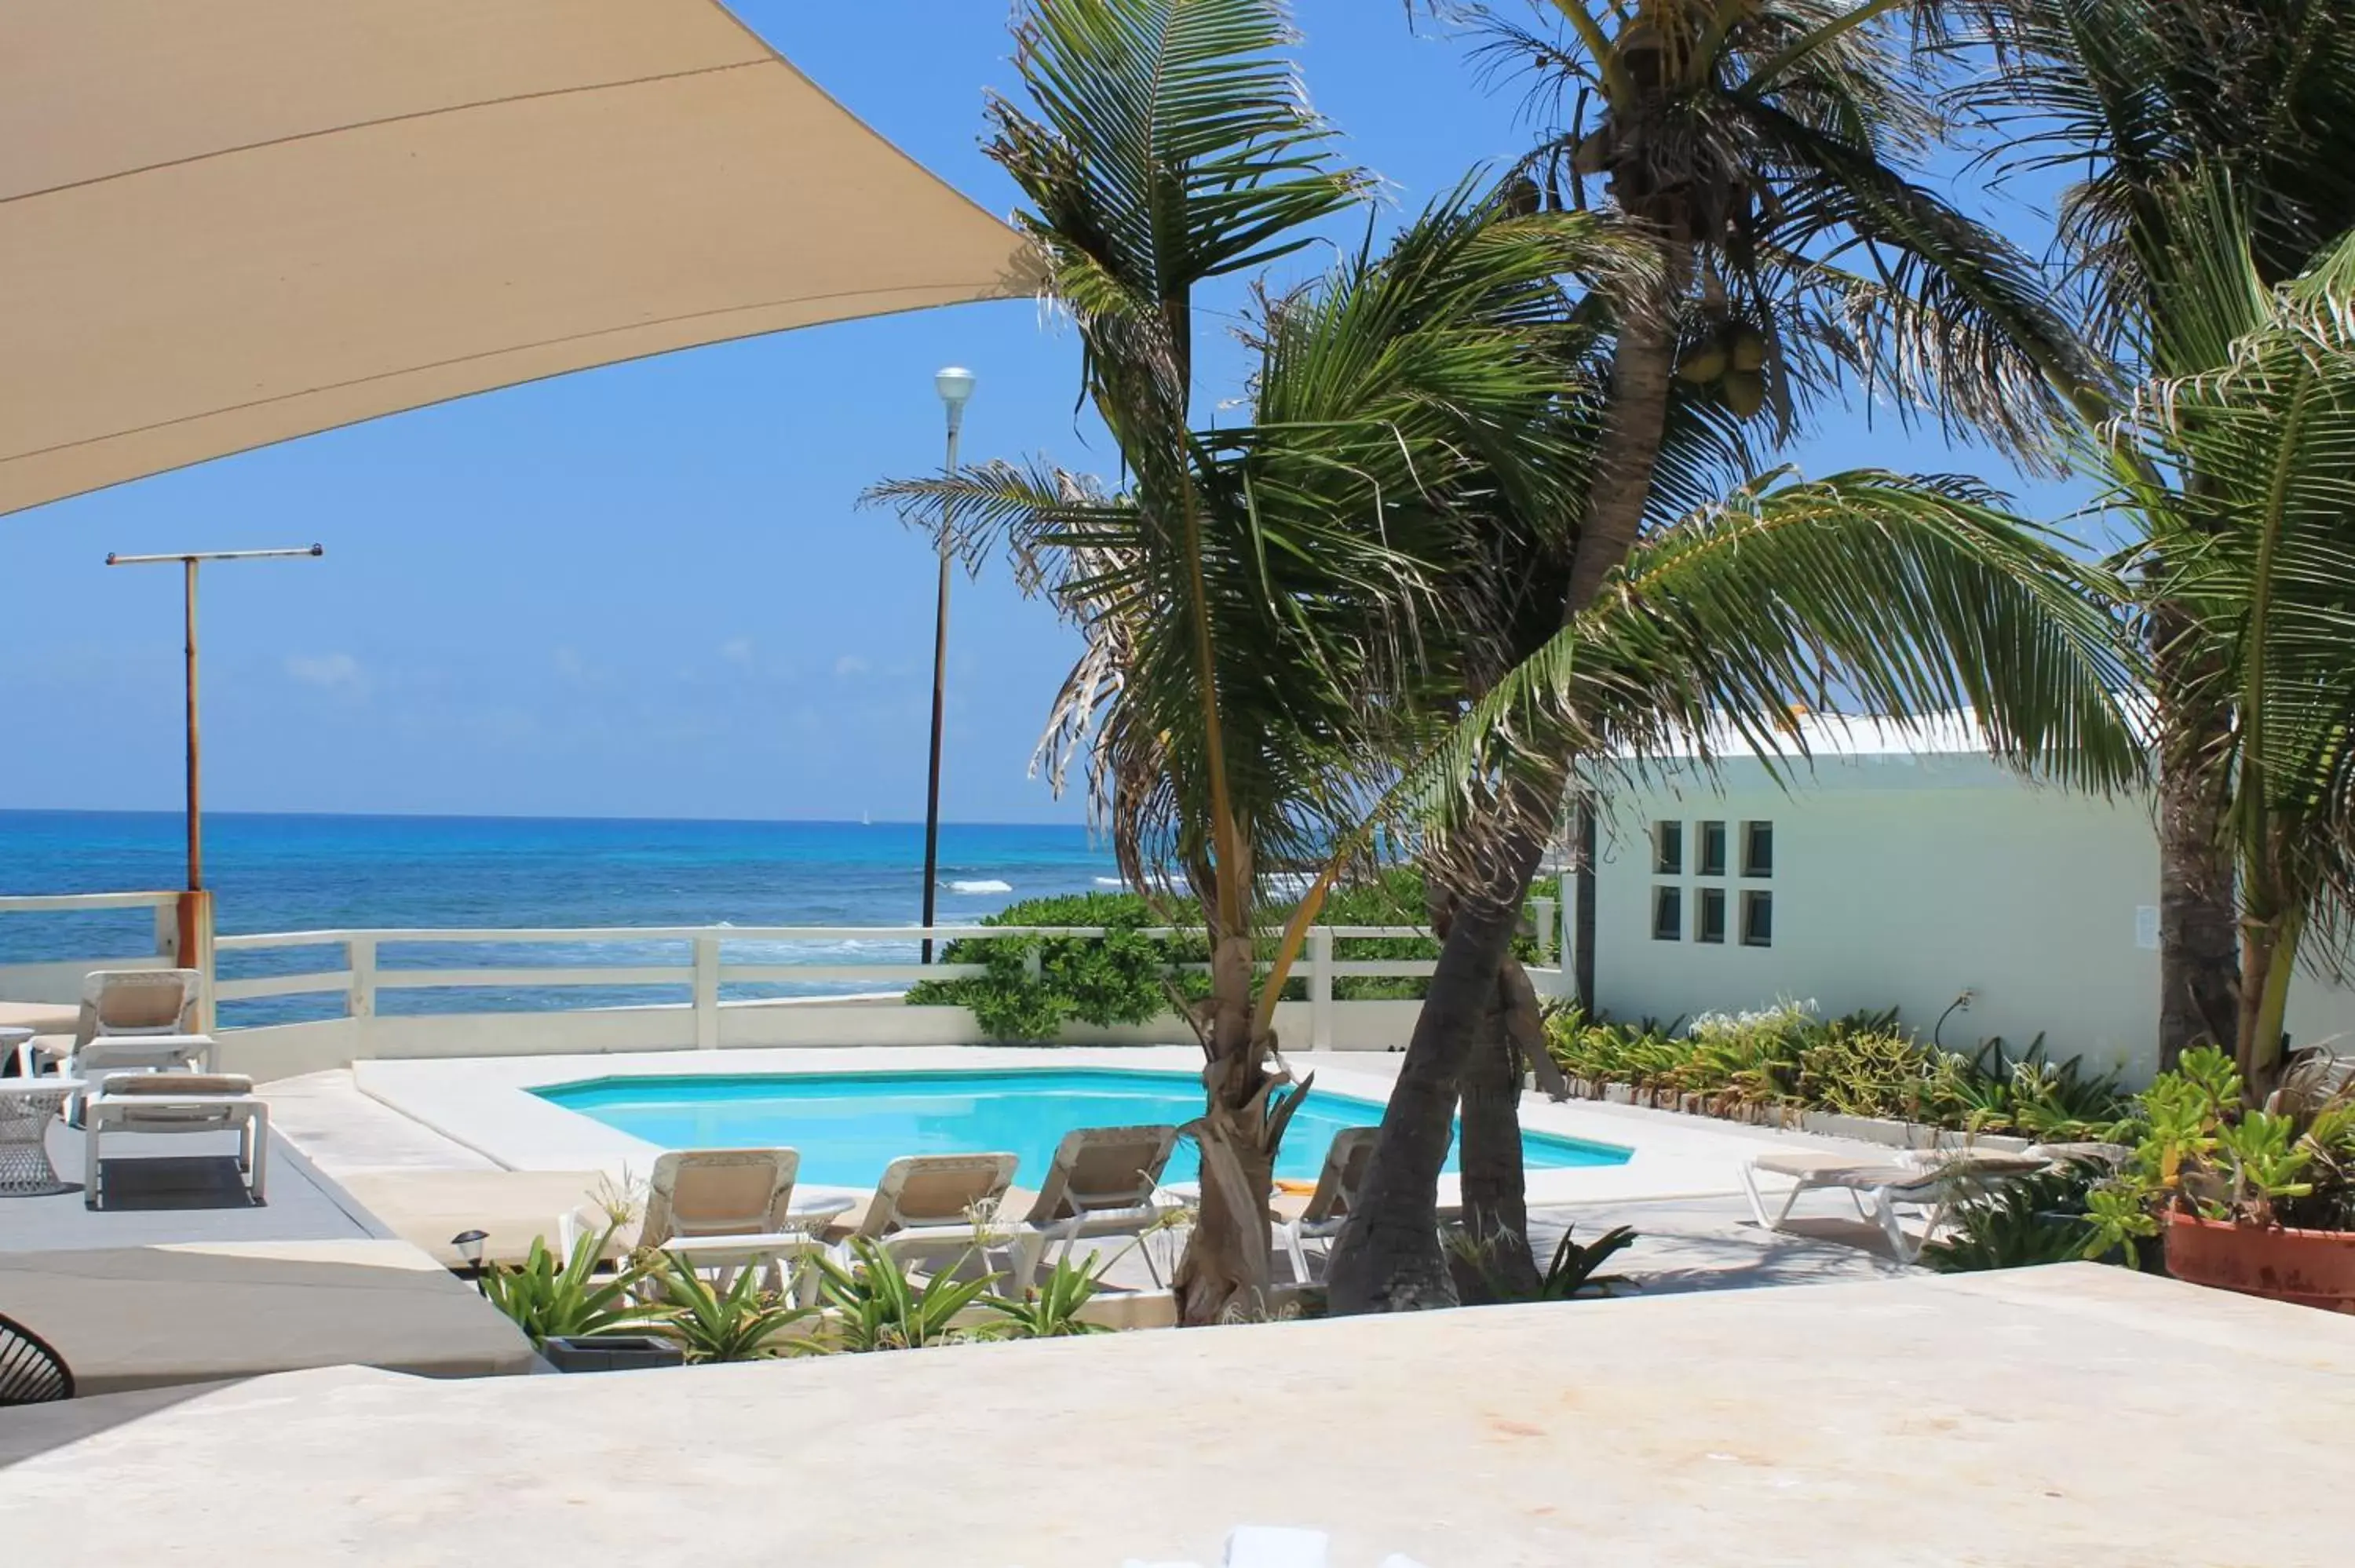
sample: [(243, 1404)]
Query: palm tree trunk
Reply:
[(2199, 917), (1643, 373), (1225, 1268), (1388, 1257), (1494, 1186)]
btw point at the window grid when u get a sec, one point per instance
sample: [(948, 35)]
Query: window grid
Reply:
[(1717, 916)]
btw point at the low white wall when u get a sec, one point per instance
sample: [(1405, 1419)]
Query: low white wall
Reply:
[(287, 1050), (1902, 881), (60, 982)]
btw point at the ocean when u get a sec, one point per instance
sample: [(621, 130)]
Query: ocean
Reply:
[(312, 872)]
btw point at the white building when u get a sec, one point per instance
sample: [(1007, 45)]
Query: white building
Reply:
[(1900, 869)]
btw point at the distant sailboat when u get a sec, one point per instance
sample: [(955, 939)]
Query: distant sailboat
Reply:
[(865, 820)]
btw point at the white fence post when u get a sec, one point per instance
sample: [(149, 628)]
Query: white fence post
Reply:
[(167, 933), (1541, 914), (707, 994), (1034, 964), (359, 957), (1320, 987)]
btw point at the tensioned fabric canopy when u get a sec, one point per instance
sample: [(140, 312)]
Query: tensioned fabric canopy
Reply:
[(225, 223)]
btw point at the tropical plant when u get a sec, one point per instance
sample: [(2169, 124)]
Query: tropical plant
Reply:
[(552, 1298), (1759, 153), (2205, 1152), (1250, 594), (873, 1304), (2023, 1222), (745, 1322), (1862, 1064), (1051, 1310), (1572, 1272), (1037, 985), (2242, 469), (2153, 101)]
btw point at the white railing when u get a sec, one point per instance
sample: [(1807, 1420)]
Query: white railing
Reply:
[(59, 979), (362, 974), (358, 973)]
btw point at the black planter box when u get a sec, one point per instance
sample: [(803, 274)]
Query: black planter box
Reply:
[(612, 1353)]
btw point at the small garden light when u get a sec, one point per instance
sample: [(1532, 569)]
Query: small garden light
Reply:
[(470, 1248)]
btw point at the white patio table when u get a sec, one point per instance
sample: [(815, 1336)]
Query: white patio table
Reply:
[(27, 1106)]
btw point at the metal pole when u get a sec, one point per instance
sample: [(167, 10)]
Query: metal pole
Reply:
[(188, 564), (196, 798), (940, 695)]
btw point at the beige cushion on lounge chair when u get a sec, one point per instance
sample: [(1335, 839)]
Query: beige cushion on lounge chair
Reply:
[(137, 1001), (1102, 1183), (922, 1191), (1103, 1168), (178, 1085)]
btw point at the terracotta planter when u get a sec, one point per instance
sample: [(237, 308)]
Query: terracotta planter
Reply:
[(2308, 1268)]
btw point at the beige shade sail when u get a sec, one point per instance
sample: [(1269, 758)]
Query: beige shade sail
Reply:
[(225, 223)]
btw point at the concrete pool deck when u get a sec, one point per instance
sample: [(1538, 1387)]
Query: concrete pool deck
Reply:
[(2043, 1418)]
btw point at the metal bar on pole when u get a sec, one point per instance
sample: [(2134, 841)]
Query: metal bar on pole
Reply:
[(188, 561), (954, 387), (196, 769)]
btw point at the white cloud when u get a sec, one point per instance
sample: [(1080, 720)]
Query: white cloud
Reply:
[(327, 672), (737, 651), (849, 665)]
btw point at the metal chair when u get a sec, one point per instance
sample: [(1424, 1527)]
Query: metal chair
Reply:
[(30, 1372)]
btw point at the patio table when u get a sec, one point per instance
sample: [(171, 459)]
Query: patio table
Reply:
[(27, 1106)]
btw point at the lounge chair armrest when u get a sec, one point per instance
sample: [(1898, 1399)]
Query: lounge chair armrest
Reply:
[(822, 1208)]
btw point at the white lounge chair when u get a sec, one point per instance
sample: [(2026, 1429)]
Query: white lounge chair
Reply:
[(1328, 1210), (725, 1209), (1931, 1182), (1103, 1184), (926, 1205), (152, 1103), (131, 1021)]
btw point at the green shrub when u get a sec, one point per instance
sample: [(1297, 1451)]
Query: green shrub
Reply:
[(1865, 1065), (1125, 978)]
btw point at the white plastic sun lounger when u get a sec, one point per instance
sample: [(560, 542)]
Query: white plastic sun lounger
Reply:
[(175, 1103), (725, 1209), (1102, 1183), (1933, 1183), (927, 1207), (1343, 1173)]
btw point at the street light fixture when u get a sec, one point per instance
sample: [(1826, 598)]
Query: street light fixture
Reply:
[(956, 386), (196, 923)]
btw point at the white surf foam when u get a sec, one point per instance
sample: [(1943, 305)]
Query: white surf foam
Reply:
[(989, 887)]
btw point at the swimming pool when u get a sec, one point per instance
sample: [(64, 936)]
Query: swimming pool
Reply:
[(850, 1126)]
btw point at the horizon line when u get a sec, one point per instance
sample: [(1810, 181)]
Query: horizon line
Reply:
[(211, 814)]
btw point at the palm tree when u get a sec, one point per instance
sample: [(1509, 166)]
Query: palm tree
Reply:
[(1760, 151), (1248, 595), (2148, 101), (2255, 562)]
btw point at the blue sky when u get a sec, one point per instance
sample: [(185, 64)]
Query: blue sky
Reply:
[(646, 590)]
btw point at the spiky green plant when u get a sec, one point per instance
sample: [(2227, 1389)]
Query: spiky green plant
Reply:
[(873, 1304), (564, 1299), (1051, 1308), (745, 1322)]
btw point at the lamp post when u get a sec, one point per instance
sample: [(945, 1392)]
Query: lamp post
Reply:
[(955, 387), (195, 925)]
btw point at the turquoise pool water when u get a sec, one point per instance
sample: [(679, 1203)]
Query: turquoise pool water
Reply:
[(850, 1126)]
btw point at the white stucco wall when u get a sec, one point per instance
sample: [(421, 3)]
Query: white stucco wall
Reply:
[(1902, 881)]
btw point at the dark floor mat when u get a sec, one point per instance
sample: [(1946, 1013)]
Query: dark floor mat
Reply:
[(203, 1182)]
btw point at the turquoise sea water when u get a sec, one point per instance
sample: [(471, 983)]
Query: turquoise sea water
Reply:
[(305, 873), (850, 1126)]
